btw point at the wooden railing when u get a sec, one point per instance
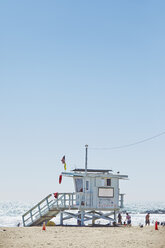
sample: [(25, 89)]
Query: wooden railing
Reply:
[(73, 200)]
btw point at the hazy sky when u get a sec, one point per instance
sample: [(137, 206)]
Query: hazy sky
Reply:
[(75, 73)]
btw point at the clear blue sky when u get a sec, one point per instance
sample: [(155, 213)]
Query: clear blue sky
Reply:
[(77, 72)]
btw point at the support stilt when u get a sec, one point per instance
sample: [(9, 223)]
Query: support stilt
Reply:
[(93, 219), (79, 218), (61, 218), (115, 216), (82, 218)]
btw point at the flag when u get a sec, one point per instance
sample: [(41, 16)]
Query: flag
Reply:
[(60, 179), (63, 161)]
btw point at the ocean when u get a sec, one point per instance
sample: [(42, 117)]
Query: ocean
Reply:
[(11, 213)]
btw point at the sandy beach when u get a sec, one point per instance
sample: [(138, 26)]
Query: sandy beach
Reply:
[(133, 237)]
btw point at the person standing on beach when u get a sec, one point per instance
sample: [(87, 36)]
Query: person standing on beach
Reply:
[(148, 219), (119, 219), (128, 219)]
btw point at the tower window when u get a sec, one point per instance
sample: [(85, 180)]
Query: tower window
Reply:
[(108, 182), (87, 185)]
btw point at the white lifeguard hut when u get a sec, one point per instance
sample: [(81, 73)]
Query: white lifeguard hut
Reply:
[(97, 196)]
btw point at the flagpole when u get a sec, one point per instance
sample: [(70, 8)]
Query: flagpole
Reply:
[(86, 157)]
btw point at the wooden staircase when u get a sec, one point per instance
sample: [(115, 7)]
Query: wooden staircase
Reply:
[(48, 208)]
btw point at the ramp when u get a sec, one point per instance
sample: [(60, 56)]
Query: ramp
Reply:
[(48, 208), (41, 212)]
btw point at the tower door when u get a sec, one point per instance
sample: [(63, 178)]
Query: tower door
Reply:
[(79, 189), (79, 184)]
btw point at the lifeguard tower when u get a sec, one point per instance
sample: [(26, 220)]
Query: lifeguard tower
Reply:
[(97, 196)]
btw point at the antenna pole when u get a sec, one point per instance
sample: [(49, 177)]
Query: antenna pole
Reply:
[(86, 158)]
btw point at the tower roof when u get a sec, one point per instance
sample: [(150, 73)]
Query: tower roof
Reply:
[(92, 170)]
